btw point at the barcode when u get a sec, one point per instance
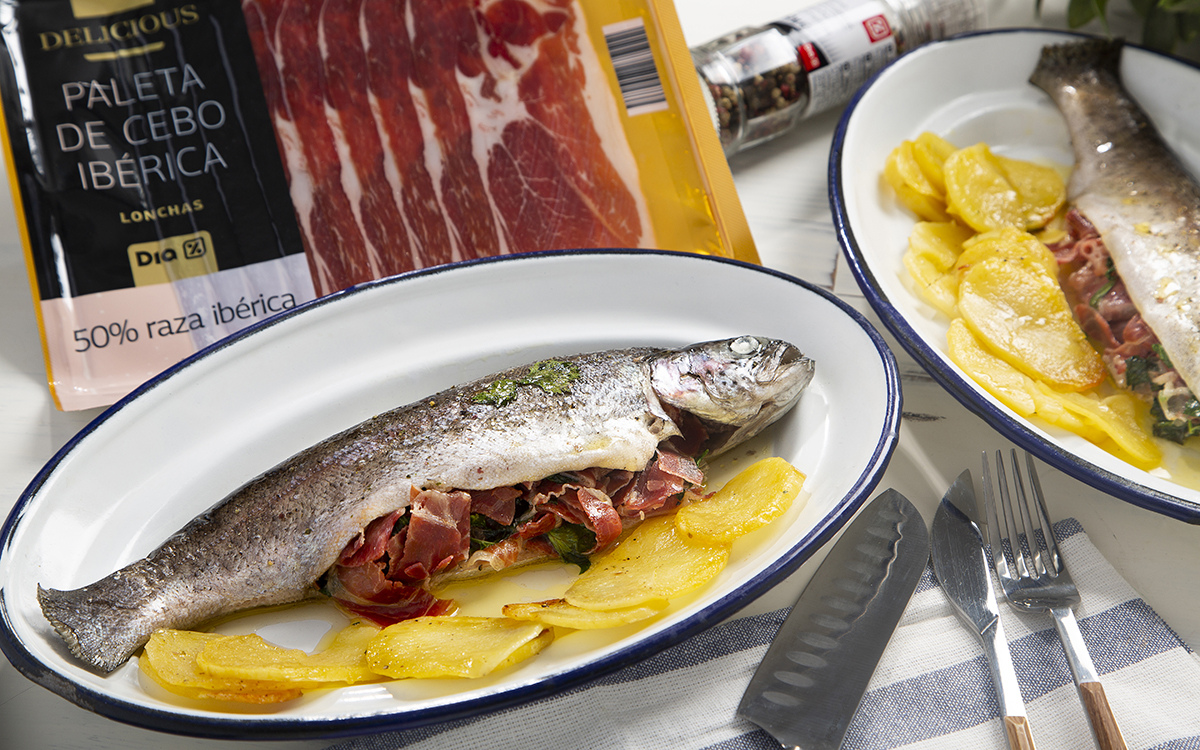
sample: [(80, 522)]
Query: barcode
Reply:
[(634, 64)]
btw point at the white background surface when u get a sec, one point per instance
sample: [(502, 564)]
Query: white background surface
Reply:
[(783, 190)]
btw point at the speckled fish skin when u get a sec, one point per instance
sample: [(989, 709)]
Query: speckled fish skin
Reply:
[(269, 541), (1134, 190)]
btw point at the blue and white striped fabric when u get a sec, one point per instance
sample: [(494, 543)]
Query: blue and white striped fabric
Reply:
[(931, 690)]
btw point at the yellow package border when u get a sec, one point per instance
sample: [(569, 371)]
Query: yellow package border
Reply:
[(682, 169), (14, 189)]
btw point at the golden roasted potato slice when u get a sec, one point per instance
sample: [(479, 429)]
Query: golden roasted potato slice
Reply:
[(909, 170), (559, 613), (997, 377), (933, 250), (170, 660), (919, 196), (990, 192), (759, 494), (1118, 417), (1008, 244), (1041, 188), (930, 152), (1022, 317), (652, 563), (249, 657), (454, 646), (938, 289), (1012, 387), (939, 242)]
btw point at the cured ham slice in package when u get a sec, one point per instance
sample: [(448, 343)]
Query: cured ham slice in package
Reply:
[(184, 170)]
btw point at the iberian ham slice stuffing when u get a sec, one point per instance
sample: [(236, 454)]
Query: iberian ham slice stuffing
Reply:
[(428, 131)]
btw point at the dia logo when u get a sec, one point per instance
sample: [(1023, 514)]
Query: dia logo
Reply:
[(194, 248)]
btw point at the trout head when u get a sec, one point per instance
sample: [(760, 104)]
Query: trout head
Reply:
[(736, 387)]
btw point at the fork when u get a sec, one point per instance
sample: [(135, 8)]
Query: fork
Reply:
[(1038, 581)]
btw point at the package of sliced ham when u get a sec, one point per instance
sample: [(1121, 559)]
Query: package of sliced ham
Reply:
[(182, 170)]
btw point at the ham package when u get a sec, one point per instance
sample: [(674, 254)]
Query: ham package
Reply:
[(181, 171)]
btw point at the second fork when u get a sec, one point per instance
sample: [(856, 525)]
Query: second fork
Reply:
[(1038, 580)]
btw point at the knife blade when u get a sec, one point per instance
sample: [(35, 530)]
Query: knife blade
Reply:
[(962, 569), (814, 674)]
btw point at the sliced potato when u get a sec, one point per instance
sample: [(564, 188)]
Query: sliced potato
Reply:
[(999, 378), (933, 250), (1118, 417), (937, 288), (456, 646), (931, 152), (559, 613), (921, 199), (1041, 189), (990, 192), (909, 170), (759, 494), (249, 657), (1022, 317), (1051, 406), (170, 660), (1015, 389), (1008, 244), (940, 242), (652, 563)]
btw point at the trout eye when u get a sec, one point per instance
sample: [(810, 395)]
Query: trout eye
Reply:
[(745, 345)]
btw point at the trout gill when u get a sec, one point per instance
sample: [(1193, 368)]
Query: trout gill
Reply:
[(1134, 191), (271, 540)]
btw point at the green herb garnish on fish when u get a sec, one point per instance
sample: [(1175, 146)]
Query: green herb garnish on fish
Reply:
[(551, 375)]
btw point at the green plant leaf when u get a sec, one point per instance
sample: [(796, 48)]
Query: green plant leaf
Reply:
[(1160, 30), (1180, 6), (1080, 12), (1189, 26)]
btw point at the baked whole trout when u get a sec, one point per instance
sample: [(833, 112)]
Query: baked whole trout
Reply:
[(552, 458), (1141, 200)]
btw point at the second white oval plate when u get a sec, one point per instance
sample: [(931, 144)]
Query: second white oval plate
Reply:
[(970, 89)]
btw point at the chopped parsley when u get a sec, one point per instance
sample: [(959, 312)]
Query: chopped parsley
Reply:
[(551, 375)]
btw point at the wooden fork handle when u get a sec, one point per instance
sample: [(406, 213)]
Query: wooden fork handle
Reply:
[(1019, 736), (1104, 724)]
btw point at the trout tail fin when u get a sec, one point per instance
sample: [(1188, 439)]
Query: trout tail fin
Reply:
[(96, 629)]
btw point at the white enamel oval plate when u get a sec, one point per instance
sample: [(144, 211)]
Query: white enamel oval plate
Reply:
[(186, 439), (970, 89)]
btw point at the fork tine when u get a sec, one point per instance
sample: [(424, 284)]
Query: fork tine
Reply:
[(1010, 522), (996, 535), (1031, 550), (1056, 563)]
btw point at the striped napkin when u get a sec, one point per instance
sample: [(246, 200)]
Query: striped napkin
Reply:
[(932, 689)]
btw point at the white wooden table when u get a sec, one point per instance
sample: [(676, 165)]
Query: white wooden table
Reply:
[(783, 189)]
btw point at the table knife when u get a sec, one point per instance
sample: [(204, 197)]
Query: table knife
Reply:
[(962, 568), (814, 674)]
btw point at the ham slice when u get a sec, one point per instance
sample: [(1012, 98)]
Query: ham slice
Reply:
[(420, 132), (398, 554)]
